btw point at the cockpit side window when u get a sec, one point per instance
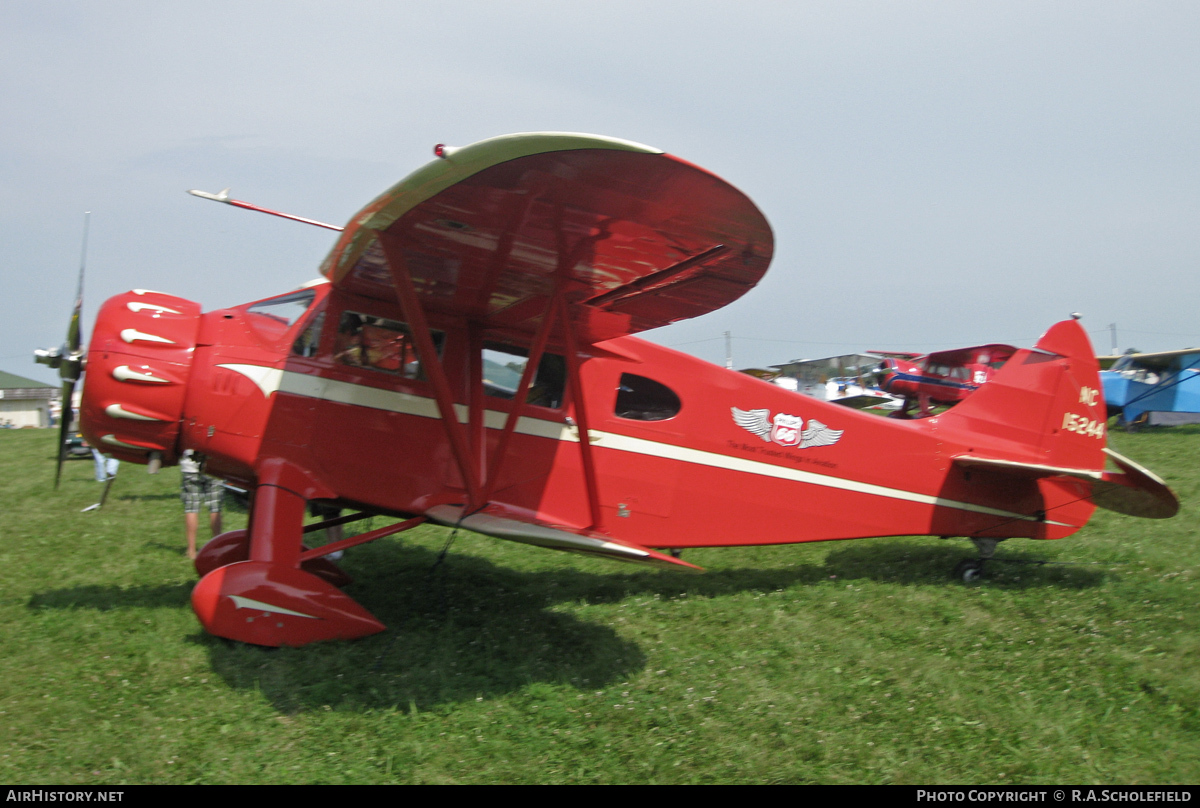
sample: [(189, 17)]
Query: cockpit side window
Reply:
[(284, 310), (503, 366), (271, 319), (377, 343), (642, 399)]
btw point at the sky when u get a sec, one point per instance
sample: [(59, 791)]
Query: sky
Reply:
[(937, 174)]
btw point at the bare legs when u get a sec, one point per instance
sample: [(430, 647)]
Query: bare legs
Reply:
[(191, 522)]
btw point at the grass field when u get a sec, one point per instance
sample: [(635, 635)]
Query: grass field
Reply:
[(841, 662)]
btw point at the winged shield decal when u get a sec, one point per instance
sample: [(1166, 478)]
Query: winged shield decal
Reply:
[(818, 434), (785, 429), (757, 422)]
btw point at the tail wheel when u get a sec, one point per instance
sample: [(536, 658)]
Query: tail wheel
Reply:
[(969, 570)]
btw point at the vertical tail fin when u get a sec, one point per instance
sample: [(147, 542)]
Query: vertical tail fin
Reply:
[(1043, 417), (1044, 406)]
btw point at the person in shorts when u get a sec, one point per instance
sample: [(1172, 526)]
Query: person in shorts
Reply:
[(196, 490)]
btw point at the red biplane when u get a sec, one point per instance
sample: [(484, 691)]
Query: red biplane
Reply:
[(467, 360), (945, 377)]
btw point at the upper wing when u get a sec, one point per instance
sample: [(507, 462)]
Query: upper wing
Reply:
[(640, 238), (1166, 359), (842, 364), (898, 354), (972, 355)]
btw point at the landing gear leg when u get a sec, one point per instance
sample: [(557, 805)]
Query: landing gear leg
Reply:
[(269, 599)]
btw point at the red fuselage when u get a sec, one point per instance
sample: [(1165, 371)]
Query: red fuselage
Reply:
[(284, 381)]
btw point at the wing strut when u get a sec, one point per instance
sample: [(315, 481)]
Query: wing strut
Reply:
[(527, 376), (415, 315), (585, 443), (468, 442)]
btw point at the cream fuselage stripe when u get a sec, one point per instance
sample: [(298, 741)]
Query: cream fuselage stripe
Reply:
[(360, 395)]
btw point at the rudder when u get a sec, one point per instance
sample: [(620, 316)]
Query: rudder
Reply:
[(1044, 406)]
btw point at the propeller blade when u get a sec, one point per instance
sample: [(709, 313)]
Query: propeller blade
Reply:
[(66, 417), (74, 332), (69, 359)]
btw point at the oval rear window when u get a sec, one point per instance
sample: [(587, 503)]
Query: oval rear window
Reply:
[(642, 399)]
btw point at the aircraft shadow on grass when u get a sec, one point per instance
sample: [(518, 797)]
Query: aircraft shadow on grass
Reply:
[(105, 598), (468, 629), (471, 628), (899, 561), (147, 497)]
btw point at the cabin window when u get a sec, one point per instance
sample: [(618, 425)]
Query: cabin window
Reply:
[(366, 341), (642, 399), (503, 366)]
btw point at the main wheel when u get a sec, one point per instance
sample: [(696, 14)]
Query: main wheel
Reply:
[(969, 570)]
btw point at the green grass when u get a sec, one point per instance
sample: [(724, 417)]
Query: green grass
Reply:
[(846, 662)]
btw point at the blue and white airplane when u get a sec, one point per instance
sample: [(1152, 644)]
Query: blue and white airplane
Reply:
[(1156, 389)]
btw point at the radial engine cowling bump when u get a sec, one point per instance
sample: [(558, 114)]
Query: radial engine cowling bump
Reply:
[(138, 365)]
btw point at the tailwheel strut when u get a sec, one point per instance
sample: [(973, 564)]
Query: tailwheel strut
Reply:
[(970, 570)]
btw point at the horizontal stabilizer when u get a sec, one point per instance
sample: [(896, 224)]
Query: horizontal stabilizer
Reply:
[(1134, 490), (553, 538)]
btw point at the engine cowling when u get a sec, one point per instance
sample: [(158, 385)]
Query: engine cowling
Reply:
[(138, 364), (899, 377)]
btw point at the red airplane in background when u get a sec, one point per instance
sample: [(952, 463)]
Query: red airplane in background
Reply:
[(945, 377), (468, 360)]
